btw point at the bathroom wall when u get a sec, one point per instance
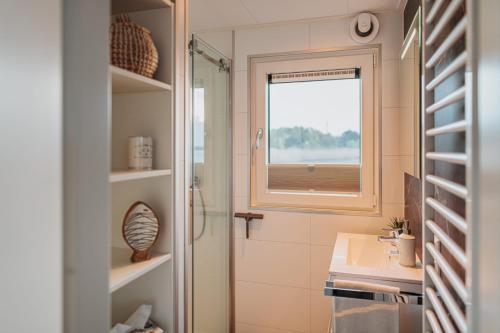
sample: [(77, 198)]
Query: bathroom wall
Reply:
[(280, 271), (412, 181), (413, 209)]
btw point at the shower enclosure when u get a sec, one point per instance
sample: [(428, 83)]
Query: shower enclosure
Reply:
[(209, 237)]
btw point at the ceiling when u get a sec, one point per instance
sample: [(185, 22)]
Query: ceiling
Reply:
[(218, 14)]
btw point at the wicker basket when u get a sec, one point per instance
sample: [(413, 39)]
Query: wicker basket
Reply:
[(132, 47)]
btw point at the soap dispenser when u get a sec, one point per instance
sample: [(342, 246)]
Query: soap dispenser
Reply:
[(407, 247)]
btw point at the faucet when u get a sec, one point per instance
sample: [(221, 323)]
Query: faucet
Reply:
[(393, 238), (393, 235)]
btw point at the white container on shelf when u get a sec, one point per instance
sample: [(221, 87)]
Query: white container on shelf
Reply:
[(140, 153), (407, 250)]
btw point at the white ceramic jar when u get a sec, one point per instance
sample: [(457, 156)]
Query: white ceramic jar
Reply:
[(140, 152), (407, 255)]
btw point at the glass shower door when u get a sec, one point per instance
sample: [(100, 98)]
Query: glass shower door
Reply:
[(210, 230)]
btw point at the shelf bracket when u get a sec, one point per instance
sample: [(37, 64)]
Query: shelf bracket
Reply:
[(248, 217)]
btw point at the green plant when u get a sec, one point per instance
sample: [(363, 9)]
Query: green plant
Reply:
[(397, 223)]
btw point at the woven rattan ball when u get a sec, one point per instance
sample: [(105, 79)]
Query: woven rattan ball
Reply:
[(132, 47)]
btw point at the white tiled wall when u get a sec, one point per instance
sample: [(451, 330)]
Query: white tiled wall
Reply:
[(281, 269), (409, 127)]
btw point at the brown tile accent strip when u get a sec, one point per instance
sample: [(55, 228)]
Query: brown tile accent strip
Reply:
[(413, 209)]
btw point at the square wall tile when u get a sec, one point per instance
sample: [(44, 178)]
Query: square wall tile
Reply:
[(240, 91), (272, 306), (241, 175), (390, 131), (324, 227), (407, 131), (321, 257), (391, 210), (239, 228), (321, 312), (390, 83), (392, 180), (241, 139), (391, 34), (407, 83), (277, 263), (240, 204), (407, 164)]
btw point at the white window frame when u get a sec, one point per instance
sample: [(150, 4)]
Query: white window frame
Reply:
[(366, 202)]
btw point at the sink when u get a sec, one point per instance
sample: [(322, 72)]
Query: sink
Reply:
[(365, 252), (358, 259), (364, 256)]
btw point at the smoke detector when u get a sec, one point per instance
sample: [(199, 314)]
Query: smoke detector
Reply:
[(364, 28)]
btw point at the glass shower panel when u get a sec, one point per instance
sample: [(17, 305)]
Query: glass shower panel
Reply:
[(210, 191)]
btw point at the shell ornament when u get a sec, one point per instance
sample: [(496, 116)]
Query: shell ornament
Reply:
[(140, 229)]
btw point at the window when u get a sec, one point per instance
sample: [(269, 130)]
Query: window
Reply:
[(314, 131), (199, 125)]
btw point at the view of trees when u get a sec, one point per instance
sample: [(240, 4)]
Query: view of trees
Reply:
[(311, 138)]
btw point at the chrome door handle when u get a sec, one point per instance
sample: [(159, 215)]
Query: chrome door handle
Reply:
[(258, 138)]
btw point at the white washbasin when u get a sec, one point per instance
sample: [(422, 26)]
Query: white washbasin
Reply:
[(364, 256), (365, 252)]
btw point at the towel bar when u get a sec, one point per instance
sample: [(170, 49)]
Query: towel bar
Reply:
[(403, 297)]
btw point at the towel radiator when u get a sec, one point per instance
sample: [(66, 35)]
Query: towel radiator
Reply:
[(447, 117)]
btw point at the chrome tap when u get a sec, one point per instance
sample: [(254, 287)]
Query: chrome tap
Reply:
[(393, 235)]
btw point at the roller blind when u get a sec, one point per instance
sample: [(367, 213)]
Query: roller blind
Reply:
[(333, 74), (447, 123)]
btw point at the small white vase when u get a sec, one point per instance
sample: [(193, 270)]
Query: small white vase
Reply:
[(140, 152), (407, 250)]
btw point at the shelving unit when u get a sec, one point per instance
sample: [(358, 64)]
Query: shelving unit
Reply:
[(143, 106), (124, 272), (122, 176), (123, 81), (127, 6)]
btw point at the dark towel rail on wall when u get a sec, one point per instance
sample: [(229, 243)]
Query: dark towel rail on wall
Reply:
[(248, 217)]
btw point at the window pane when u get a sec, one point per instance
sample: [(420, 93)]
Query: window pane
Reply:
[(199, 125), (315, 122)]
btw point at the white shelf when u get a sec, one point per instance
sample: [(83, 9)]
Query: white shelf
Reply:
[(123, 176), (123, 271), (127, 6), (124, 81)]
